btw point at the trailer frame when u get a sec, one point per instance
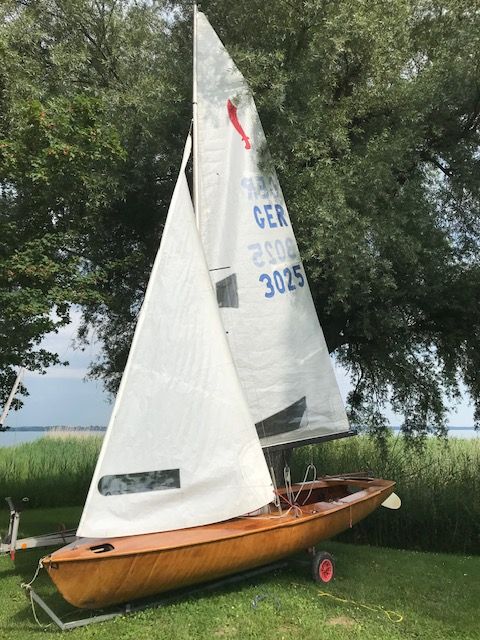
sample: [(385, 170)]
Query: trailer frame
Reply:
[(11, 544)]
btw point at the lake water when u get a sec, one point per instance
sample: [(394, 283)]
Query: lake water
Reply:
[(19, 435)]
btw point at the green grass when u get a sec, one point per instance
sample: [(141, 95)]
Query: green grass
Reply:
[(436, 594), (439, 487)]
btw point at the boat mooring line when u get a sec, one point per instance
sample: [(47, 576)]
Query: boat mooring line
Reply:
[(27, 585), (32, 595)]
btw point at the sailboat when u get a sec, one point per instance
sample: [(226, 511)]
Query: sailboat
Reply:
[(228, 363)]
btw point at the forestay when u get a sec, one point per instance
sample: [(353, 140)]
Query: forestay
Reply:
[(267, 308), (181, 448)]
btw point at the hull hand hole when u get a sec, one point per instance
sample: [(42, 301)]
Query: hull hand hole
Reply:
[(102, 548)]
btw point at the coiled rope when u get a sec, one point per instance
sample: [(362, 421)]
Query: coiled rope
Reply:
[(393, 616)]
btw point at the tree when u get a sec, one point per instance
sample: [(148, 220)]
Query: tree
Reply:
[(372, 113), (86, 151), (372, 110)]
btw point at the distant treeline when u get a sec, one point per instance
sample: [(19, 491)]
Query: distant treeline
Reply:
[(55, 429)]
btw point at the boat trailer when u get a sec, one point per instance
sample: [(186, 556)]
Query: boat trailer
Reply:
[(11, 544), (323, 569), (149, 603), (320, 562)]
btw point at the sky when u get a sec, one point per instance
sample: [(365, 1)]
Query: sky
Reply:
[(62, 397)]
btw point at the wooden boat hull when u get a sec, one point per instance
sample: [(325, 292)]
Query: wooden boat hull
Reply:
[(94, 573)]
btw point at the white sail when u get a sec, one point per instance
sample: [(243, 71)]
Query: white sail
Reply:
[(181, 448), (267, 308)]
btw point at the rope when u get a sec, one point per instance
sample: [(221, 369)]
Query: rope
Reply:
[(304, 482), (288, 484), (265, 516), (393, 616), (34, 612), (28, 587), (298, 511), (276, 502)]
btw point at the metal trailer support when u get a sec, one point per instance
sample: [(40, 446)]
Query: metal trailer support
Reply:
[(66, 626), (12, 533), (11, 544), (139, 606)]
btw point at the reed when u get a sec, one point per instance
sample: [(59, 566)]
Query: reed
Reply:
[(439, 485), (51, 472), (68, 432)]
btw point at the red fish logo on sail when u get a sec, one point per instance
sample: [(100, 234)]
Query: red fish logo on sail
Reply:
[(232, 114)]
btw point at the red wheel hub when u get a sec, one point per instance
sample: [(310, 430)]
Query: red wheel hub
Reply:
[(325, 570)]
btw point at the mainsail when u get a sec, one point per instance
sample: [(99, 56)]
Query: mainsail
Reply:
[(267, 308), (181, 448)]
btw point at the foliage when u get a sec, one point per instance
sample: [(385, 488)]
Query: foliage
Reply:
[(50, 472), (372, 112), (439, 489), (87, 147), (54, 149)]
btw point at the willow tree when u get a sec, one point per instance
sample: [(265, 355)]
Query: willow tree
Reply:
[(372, 113), (88, 146)]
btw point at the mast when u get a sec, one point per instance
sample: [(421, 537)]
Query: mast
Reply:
[(6, 408), (196, 198)]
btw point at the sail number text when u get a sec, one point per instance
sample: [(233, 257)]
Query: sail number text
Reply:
[(270, 216), (282, 281), (274, 252)]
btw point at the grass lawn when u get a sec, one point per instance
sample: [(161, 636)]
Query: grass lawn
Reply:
[(436, 594)]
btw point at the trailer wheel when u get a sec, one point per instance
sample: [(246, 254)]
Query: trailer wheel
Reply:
[(323, 567)]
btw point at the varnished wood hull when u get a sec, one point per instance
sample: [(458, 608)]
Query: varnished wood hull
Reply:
[(140, 566)]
